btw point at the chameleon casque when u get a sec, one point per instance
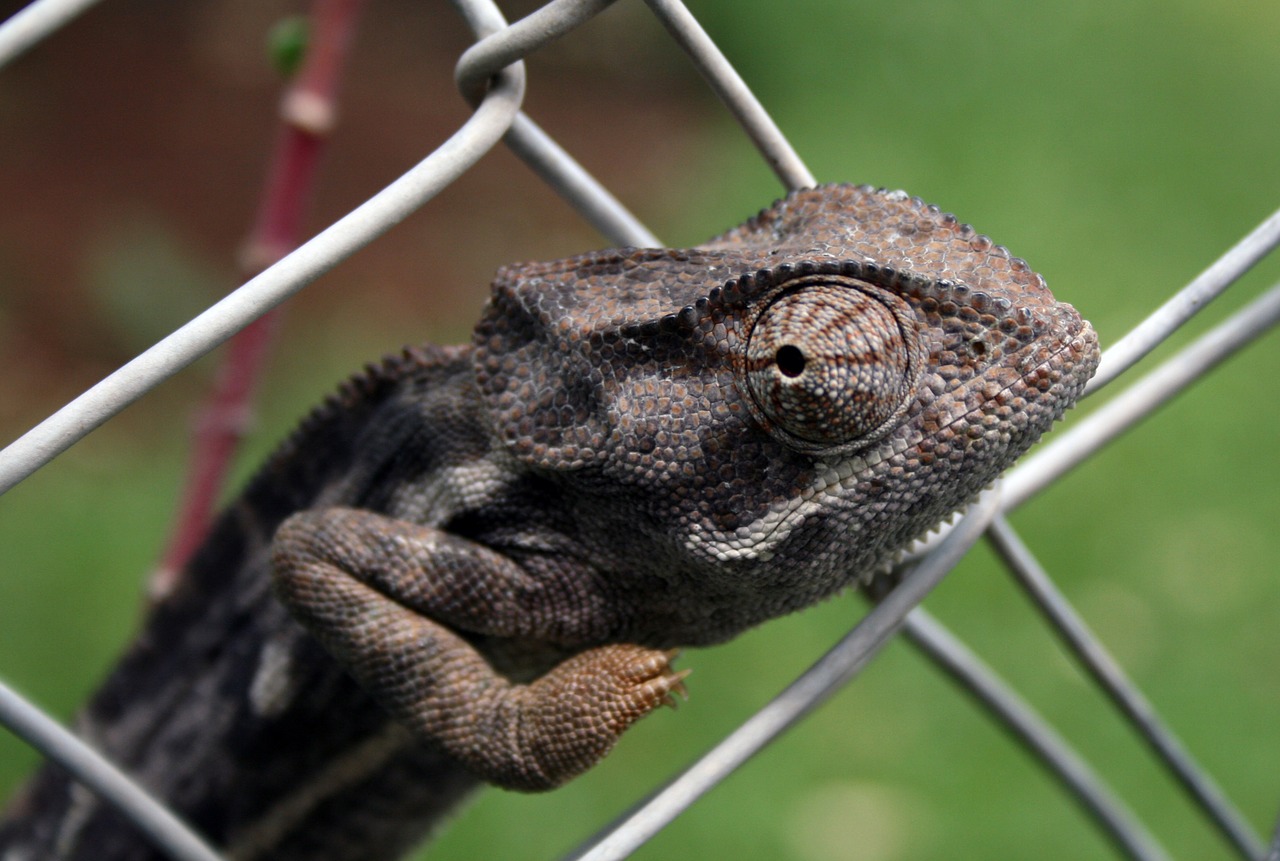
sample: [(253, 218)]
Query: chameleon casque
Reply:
[(491, 549)]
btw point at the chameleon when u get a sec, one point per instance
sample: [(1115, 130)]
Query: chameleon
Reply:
[(472, 565)]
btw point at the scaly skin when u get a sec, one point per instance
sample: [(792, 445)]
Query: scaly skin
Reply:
[(499, 544)]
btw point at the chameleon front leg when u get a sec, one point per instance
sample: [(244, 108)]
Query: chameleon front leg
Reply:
[(387, 598)]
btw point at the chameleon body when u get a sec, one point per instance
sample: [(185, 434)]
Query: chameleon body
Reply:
[(491, 549)]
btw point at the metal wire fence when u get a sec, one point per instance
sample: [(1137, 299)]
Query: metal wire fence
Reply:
[(491, 76)]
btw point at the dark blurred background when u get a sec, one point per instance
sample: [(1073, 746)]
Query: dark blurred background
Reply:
[(1118, 146)]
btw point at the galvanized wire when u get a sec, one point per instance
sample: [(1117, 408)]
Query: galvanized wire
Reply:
[(734, 92), (163, 827), (502, 46), (1187, 302), (488, 79), (1273, 849), (1124, 694), (597, 206), (353, 231), (35, 22), (1089, 435), (1076, 775)]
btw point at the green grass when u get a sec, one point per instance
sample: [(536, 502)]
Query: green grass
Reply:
[(1118, 147)]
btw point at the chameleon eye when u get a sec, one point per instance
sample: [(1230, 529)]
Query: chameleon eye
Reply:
[(832, 362)]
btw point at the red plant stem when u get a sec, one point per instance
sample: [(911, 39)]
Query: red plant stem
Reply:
[(308, 113)]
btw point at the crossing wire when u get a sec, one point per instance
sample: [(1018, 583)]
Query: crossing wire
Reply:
[(491, 77)]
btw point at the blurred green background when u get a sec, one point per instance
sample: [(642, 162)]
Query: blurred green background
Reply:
[(1117, 146)]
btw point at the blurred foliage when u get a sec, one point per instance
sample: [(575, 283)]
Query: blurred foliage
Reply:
[(1118, 146), (287, 44)]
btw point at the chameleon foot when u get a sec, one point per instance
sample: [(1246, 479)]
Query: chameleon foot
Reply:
[(575, 713)]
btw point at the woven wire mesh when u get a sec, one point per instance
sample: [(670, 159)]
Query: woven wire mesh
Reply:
[(497, 115)]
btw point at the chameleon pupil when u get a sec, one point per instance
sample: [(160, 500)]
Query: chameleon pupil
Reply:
[(790, 361)]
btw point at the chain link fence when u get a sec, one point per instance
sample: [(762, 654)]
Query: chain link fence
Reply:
[(492, 78)]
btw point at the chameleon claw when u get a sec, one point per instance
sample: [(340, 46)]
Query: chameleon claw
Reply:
[(670, 686)]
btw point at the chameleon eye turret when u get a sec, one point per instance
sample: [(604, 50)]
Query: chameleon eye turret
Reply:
[(831, 362)]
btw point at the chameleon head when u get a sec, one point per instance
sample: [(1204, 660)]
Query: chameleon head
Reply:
[(779, 410)]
